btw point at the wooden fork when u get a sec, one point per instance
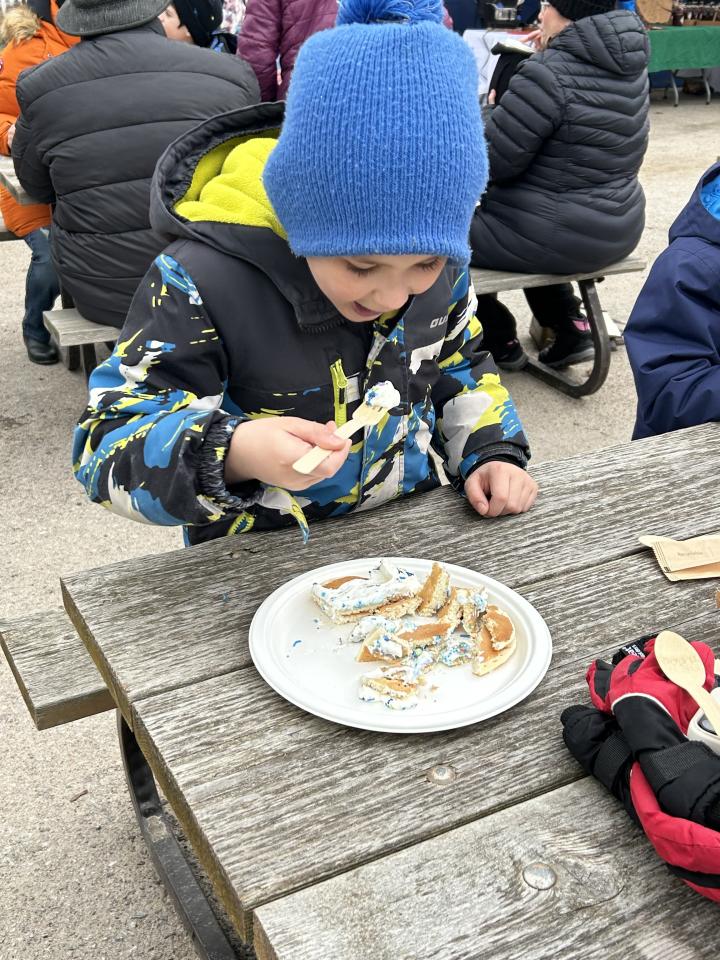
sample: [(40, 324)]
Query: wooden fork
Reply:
[(364, 416)]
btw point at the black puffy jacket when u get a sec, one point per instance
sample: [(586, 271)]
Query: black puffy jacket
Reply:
[(565, 147), (94, 123)]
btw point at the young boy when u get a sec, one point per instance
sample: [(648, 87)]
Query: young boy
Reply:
[(305, 269), (673, 335)]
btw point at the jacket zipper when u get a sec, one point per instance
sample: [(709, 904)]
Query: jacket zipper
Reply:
[(339, 382)]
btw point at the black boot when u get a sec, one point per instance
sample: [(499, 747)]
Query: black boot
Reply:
[(500, 333), (41, 352), (572, 344)]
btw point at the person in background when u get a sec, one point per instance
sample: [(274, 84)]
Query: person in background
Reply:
[(673, 335), (28, 36), (193, 21), (466, 14), (306, 270), (233, 16), (565, 144), (274, 30), (272, 33), (92, 128)]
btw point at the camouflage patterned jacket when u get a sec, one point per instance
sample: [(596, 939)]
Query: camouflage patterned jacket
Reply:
[(228, 325)]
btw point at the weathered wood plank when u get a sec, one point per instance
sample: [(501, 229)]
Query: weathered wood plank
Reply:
[(163, 622), (275, 799), (53, 670), (9, 180), (70, 329), (495, 281), (465, 895)]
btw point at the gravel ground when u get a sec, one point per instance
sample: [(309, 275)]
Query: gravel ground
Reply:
[(77, 881)]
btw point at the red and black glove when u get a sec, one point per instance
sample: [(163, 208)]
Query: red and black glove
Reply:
[(634, 742)]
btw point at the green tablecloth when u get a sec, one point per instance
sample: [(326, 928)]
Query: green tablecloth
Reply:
[(684, 48)]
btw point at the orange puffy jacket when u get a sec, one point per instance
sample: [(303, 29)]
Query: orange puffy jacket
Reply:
[(24, 48)]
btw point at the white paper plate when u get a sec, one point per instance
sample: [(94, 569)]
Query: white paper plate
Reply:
[(309, 662)]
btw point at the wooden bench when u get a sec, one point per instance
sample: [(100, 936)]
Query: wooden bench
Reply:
[(5, 234), (497, 281), (72, 332), (60, 683), (57, 679)]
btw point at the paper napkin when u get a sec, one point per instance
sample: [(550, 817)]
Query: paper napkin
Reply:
[(693, 559)]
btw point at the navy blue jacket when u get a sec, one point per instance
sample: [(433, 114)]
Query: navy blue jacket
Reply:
[(673, 335)]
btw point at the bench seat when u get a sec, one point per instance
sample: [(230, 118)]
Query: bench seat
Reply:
[(497, 281), (71, 331), (56, 676), (60, 683)]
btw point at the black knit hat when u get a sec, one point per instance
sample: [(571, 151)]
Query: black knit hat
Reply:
[(201, 17), (577, 9)]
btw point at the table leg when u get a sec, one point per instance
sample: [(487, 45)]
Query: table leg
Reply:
[(601, 342), (71, 357), (173, 869), (676, 95), (89, 359), (706, 83)]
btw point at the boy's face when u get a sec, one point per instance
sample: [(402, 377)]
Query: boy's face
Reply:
[(363, 287), (174, 30)]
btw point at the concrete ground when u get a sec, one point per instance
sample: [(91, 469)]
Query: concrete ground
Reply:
[(76, 880)]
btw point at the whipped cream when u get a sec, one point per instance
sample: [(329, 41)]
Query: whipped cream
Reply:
[(366, 627), (393, 699), (478, 598), (393, 703), (383, 645), (382, 395), (457, 649), (421, 660), (385, 583)]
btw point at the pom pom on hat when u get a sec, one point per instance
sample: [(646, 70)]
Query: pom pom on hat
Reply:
[(389, 11), (382, 149)]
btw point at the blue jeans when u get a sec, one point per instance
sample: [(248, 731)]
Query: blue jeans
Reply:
[(41, 286)]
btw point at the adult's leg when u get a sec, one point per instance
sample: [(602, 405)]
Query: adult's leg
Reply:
[(41, 291), (557, 307), (500, 333)]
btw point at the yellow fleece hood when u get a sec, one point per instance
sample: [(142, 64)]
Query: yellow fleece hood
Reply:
[(227, 185)]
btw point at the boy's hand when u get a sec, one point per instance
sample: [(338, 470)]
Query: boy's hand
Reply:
[(10, 135), (498, 488), (266, 449)]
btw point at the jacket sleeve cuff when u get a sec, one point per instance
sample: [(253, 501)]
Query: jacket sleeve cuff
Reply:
[(507, 452), (211, 470)]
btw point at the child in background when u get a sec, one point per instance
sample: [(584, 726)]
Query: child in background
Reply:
[(306, 269), (192, 21), (673, 335)]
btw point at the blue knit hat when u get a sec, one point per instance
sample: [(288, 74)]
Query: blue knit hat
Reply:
[(382, 148)]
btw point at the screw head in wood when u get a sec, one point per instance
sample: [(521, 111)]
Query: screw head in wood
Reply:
[(540, 876), (441, 774)]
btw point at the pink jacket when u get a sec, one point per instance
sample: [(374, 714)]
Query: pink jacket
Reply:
[(274, 30)]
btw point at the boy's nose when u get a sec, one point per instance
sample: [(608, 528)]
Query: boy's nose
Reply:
[(391, 298)]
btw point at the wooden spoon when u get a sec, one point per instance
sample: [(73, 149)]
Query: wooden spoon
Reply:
[(681, 664)]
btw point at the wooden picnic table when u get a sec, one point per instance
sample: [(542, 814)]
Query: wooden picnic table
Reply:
[(9, 180), (483, 842)]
